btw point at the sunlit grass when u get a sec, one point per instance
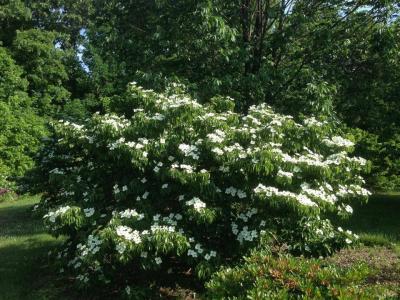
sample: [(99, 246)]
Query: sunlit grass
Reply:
[(25, 271)]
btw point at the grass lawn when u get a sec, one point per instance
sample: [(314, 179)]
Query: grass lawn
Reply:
[(378, 221), (24, 268), (26, 272)]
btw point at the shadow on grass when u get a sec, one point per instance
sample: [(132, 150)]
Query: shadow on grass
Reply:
[(25, 271), (18, 221), (380, 217)]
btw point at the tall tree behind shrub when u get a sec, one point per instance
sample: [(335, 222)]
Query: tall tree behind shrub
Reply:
[(20, 128)]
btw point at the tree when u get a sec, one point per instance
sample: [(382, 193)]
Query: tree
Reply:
[(21, 129)]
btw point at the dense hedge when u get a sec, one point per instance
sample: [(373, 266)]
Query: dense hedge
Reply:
[(182, 184)]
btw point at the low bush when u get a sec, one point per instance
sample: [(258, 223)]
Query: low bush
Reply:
[(182, 185), (264, 276)]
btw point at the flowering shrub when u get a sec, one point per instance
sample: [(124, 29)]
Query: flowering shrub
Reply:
[(185, 184)]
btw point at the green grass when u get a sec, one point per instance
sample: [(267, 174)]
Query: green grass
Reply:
[(25, 271), (378, 221)]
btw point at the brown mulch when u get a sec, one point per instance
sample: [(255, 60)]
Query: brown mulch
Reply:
[(385, 262)]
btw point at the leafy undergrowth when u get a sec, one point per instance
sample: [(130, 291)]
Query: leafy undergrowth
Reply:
[(265, 275)]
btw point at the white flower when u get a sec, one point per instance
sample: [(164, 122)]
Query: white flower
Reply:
[(217, 151), (231, 191), (116, 189), (349, 209), (189, 150), (338, 141), (124, 188), (129, 213), (53, 214), (284, 174), (88, 212), (158, 260), (164, 186), (304, 200), (129, 234), (192, 253), (128, 290), (348, 241), (216, 137), (120, 247), (197, 204), (241, 194)]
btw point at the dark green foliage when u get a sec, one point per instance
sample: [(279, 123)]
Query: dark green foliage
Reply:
[(14, 15), (338, 59), (43, 63), (12, 85), (21, 129)]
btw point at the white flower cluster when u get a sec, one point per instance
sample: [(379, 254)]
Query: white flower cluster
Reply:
[(197, 204), (245, 234), (186, 168), (235, 192), (352, 190), (311, 122), (52, 215), (189, 150), (274, 192), (131, 213), (284, 174), (129, 234), (88, 212), (92, 246), (217, 136), (246, 216), (115, 122), (138, 145), (320, 194), (338, 141), (199, 251)]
